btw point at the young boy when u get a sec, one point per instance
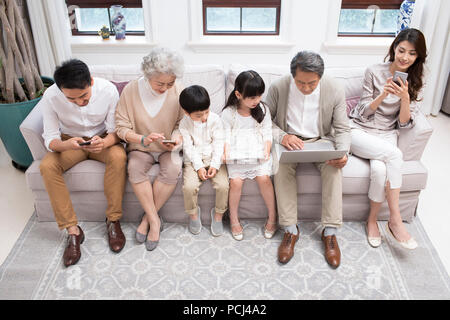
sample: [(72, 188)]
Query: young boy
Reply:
[(203, 142)]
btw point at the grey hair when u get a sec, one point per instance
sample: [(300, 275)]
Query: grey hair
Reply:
[(307, 61), (162, 60)]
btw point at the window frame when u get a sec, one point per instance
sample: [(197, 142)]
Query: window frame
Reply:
[(242, 4), (364, 4), (104, 4)]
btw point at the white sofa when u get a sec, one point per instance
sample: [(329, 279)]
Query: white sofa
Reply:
[(85, 180)]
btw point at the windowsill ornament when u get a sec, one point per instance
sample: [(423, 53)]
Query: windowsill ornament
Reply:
[(104, 32)]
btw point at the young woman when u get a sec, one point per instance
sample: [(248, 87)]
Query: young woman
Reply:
[(248, 131), (386, 106)]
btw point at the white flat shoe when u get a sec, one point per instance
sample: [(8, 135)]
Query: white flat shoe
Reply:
[(374, 242), (410, 244), (267, 233), (238, 235)]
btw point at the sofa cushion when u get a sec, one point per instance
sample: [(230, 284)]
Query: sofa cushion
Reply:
[(269, 73), (351, 78), (120, 85), (212, 77), (88, 176), (115, 72)]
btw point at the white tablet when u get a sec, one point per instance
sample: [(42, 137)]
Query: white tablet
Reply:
[(312, 152)]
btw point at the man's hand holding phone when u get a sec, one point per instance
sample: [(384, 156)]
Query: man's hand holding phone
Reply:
[(73, 143), (96, 145)]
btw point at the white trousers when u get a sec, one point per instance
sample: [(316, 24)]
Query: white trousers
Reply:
[(385, 159)]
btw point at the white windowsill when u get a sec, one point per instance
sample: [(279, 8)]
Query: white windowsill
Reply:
[(240, 44), (95, 44), (358, 45)]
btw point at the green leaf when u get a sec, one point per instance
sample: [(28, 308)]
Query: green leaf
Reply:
[(40, 92)]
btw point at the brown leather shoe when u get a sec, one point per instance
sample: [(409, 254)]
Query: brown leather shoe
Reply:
[(286, 248), (73, 252), (116, 237), (332, 252)]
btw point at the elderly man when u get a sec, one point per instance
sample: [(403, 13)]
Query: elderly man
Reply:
[(307, 107)]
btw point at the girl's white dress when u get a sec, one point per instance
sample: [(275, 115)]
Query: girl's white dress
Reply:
[(246, 138)]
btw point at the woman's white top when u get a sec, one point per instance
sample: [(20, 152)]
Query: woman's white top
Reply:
[(152, 100)]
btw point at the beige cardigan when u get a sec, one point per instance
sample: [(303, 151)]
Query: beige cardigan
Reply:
[(131, 116), (333, 120)]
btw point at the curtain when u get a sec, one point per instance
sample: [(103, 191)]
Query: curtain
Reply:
[(433, 19), (51, 32)]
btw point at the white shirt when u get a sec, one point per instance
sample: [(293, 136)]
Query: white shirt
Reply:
[(203, 141), (151, 100), (62, 116), (303, 112)]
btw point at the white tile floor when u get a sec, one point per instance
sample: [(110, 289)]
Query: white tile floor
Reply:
[(16, 200)]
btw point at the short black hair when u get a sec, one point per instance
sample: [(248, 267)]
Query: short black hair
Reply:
[(194, 98), (72, 74)]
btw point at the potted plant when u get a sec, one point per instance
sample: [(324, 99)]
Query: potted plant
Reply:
[(21, 86), (104, 32)]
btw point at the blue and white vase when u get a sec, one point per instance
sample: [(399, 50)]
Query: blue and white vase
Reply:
[(404, 15), (118, 22)]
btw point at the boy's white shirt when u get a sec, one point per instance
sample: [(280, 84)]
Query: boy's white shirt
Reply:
[(203, 142)]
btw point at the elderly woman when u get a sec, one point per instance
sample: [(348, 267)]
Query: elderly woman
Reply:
[(147, 115)]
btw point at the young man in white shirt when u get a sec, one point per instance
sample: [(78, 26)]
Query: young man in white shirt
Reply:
[(78, 113)]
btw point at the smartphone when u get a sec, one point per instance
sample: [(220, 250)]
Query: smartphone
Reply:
[(86, 143), (399, 74), (169, 141)]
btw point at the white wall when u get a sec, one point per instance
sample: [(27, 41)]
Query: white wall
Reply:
[(307, 30), (305, 24)]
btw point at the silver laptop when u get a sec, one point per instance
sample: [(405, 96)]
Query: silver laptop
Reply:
[(320, 151)]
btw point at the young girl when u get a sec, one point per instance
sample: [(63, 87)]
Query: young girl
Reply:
[(248, 130), (386, 106)]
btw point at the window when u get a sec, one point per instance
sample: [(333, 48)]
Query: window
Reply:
[(88, 16), (245, 17), (368, 18)]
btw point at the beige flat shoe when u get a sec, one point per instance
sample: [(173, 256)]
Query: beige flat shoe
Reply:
[(410, 244), (267, 233), (374, 242), (238, 235)]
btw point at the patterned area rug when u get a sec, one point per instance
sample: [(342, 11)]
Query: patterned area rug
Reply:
[(202, 267)]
